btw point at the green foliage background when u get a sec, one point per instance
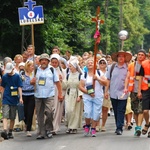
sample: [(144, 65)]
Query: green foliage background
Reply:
[(68, 25)]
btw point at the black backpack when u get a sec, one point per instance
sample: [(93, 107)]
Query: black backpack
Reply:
[(98, 72), (112, 68), (51, 68), (67, 77)]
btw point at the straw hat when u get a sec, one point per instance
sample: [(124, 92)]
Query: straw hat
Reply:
[(127, 55)]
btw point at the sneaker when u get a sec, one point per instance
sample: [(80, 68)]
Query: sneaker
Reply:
[(49, 134), (29, 134), (93, 132), (137, 131), (4, 135), (86, 130), (10, 135), (118, 132)]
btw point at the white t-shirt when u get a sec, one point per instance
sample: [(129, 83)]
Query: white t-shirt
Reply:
[(99, 93)]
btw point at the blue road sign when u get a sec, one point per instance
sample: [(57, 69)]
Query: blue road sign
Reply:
[(30, 14)]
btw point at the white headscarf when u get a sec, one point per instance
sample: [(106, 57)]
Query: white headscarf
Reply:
[(55, 56), (75, 62)]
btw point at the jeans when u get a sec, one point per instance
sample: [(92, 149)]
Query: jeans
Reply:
[(119, 107)]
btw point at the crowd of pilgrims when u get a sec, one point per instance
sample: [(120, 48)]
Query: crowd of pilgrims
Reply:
[(75, 72)]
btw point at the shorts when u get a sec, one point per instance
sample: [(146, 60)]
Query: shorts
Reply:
[(136, 103), (9, 112), (146, 99), (107, 103), (93, 108)]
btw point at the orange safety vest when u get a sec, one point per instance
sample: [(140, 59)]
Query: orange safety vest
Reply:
[(146, 65), (131, 78)]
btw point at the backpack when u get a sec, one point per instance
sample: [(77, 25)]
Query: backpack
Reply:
[(67, 71), (51, 68), (85, 75), (98, 72), (112, 68), (67, 77)]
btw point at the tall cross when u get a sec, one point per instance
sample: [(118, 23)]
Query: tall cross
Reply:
[(98, 22), (96, 37), (30, 4)]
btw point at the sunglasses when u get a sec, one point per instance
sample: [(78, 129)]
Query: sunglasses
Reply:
[(102, 62)]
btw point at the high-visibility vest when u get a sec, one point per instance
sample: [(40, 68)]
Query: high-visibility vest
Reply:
[(146, 66), (131, 78)]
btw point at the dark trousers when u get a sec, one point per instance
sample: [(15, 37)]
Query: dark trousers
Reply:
[(29, 106), (119, 107)]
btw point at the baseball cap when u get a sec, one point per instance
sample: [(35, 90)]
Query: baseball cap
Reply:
[(9, 67), (21, 64)]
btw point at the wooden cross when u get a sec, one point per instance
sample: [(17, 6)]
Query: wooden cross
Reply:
[(97, 36), (97, 20)]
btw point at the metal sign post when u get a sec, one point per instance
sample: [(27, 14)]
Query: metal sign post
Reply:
[(30, 15)]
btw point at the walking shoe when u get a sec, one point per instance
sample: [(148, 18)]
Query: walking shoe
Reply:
[(29, 134), (49, 134), (93, 132), (137, 131), (86, 130), (118, 132), (68, 131), (40, 137), (10, 135), (74, 131), (4, 135)]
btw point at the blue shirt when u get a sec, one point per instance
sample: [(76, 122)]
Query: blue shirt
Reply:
[(117, 81), (10, 85), (27, 89), (45, 80)]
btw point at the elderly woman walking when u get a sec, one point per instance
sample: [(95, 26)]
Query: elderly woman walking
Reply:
[(92, 96)]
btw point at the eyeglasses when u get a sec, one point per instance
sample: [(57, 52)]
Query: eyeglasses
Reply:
[(102, 62)]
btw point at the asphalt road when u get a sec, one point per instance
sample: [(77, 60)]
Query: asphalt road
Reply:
[(104, 141)]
